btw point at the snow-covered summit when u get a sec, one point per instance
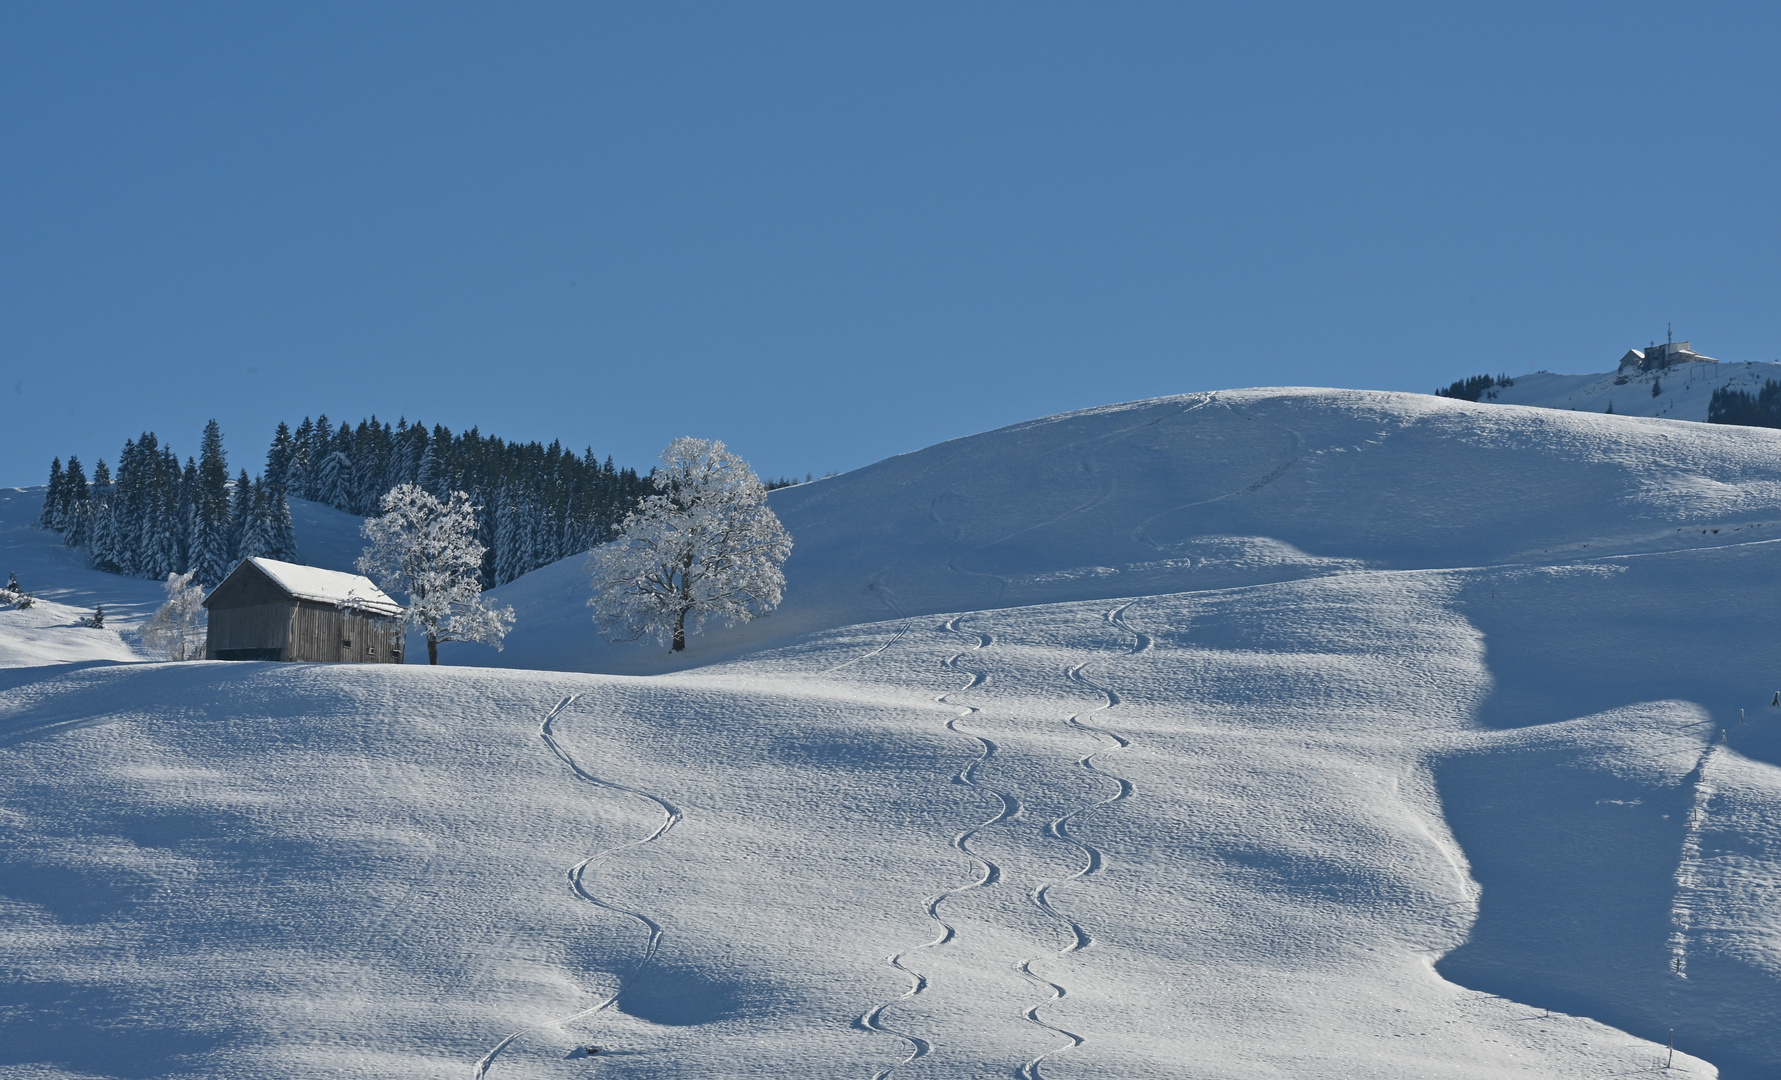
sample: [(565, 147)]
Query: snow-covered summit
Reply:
[(1681, 391)]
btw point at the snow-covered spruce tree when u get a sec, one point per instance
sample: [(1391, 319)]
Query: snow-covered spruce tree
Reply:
[(427, 472), (210, 550), (426, 549), (280, 536), (52, 498), (76, 504), (334, 481), (705, 545), (297, 474), (177, 628), (241, 521), (279, 457)]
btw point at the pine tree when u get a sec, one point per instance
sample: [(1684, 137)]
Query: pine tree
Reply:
[(76, 499), (413, 443), (212, 549), (241, 520), (280, 457), (427, 475), (280, 534), (191, 522), (256, 540), (321, 444), (99, 531), (52, 498), (372, 454), (506, 537), (297, 478), (333, 481), (121, 515)]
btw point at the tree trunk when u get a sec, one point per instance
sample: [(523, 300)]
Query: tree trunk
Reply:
[(432, 649), (686, 604)]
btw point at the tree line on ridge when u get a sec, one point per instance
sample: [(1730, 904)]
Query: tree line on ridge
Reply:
[(537, 503)]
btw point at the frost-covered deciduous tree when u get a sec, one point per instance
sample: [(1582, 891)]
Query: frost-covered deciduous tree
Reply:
[(177, 629), (705, 545), (426, 549)]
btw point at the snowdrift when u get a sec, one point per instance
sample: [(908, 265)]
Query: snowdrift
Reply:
[(1257, 734)]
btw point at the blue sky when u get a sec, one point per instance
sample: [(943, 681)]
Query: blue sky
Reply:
[(829, 233)]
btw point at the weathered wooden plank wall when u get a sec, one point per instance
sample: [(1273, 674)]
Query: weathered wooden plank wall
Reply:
[(262, 626), (306, 631)]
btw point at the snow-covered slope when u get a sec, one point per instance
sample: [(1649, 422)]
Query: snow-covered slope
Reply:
[(1208, 491), (327, 537), (54, 572), (1680, 393), (52, 633), (60, 575), (1267, 734)]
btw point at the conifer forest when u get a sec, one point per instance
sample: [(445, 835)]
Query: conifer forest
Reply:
[(155, 516)]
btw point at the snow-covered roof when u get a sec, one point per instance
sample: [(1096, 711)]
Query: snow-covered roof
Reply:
[(328, 586)]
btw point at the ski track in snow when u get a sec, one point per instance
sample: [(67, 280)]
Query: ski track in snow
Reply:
[(1682, 906), (892, 640), (577, 874), (1141, 531), (1093, 860), (873, 1019)]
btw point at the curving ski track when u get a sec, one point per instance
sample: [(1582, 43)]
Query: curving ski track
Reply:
[(671, 816), (873, 1019), (1092, 859), (894, 638)]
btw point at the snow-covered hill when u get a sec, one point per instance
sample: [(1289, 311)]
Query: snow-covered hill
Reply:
[(1257, 734), (1208, 491), (1679, 393)]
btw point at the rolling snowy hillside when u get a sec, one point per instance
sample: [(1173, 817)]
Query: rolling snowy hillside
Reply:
[(1680, 393), (1207, 491), (1252, 734)]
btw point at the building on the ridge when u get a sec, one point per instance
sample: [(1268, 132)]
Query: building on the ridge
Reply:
[(1656, 357), (270, 610)]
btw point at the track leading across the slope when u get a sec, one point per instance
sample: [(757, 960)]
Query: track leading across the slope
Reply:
[(1092, 859), (577, 874), (989, 872)]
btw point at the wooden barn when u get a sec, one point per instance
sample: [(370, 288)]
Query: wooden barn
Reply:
[(270, 610)]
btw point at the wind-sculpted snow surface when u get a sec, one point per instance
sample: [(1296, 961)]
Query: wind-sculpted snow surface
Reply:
[(577, 877), (358, 871), (1418, 755)]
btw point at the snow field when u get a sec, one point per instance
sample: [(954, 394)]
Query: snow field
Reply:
[(325, 884), (1255, 734)]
